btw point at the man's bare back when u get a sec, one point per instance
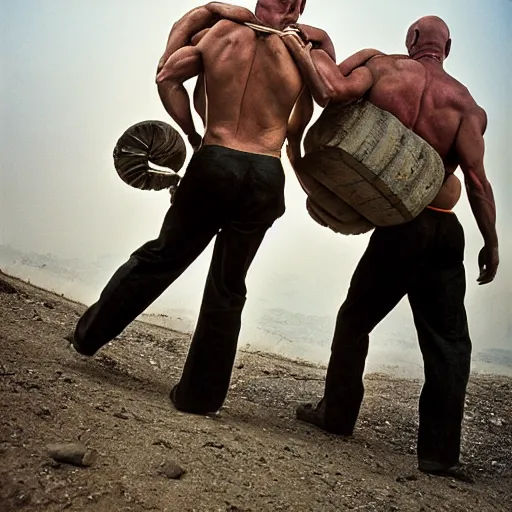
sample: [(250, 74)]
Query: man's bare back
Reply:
[(248, 84), (232, 191), (422, 96), (431, 103), (425, 99), (417, 90), (252, 84)]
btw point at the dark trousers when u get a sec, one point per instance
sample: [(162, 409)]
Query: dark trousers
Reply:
[(423, 259), (233, 195)]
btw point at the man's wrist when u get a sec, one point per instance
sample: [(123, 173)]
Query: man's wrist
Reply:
[(491, 240)]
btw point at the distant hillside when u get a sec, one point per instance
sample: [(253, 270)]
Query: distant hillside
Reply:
[(275, 330)]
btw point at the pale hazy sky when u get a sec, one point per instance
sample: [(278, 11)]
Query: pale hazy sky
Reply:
[(75, 75)]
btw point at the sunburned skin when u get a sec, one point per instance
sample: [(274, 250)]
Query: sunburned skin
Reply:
[(251, 84), (417, 90), (194, 27), (277, 14)]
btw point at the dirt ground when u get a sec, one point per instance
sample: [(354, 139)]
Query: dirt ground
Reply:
[(254, 456)]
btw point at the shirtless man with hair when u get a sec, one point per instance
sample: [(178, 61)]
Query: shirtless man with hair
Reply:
[(233, 189), (194, 25), (422, 259)]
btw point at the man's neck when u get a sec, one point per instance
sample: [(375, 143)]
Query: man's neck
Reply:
[(430, 59)]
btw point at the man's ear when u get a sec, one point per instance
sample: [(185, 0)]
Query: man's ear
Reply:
[(303, 6), (447, 48), (412, 37)]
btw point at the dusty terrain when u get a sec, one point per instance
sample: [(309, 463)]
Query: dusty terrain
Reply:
[(254, 456)]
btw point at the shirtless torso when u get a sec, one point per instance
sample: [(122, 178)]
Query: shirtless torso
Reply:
[(251, 85), (423, 258), (248, 83), (419, 93), (431, 103), (417, 90)]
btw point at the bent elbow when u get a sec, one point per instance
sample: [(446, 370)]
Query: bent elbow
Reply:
[(322, 99), (159, 69), (164, 77), (326, 95), (334, 96)]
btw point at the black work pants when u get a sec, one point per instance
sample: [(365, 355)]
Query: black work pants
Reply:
[(422, 259), (233, 195)]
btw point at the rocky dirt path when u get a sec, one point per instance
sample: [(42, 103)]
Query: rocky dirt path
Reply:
[(254, 456)]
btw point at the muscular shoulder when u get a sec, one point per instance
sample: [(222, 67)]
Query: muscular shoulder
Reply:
[(199, 36), (464, 99), (319, 38), (208, 15), (226, 28), (476, 115), (224, 32), (391, 62), (398, 56)]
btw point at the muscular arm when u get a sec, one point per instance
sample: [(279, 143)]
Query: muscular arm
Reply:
[(359, 58), (199, 19), (319, 39), (470, 148), (299, 119), (200, 88), (182, 65), (200, 98), (324, 78)]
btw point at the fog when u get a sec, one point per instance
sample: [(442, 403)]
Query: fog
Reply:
[(75, 75)]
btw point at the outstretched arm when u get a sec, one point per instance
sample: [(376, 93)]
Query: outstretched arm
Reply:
[(182, 65), (199, 19), (470, 148), (299, 119), (323, 77), (359, 58)]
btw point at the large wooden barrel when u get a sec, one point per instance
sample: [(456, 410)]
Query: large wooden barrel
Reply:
[(326, 208), (364, 168)]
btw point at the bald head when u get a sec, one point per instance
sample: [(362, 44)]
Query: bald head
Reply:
[(428, 37)]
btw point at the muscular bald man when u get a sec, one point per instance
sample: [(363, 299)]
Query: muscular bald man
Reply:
[(422, 259), (233, 188)]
